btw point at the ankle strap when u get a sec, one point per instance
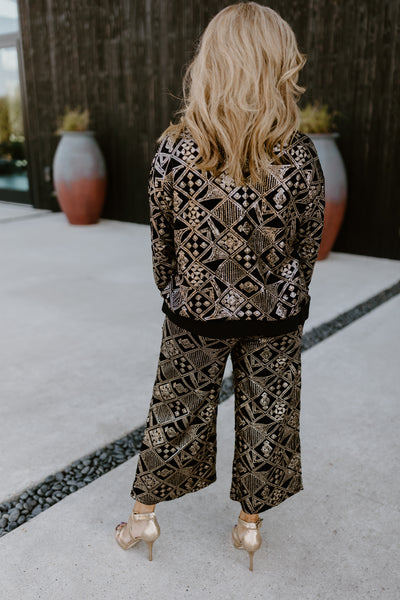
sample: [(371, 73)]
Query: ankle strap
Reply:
[(142, 516)]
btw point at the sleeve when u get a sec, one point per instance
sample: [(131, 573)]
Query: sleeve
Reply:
[(311, 209), (160, 192)]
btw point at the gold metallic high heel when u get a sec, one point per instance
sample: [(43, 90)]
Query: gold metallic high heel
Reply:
[(140, 526), (247, 536)]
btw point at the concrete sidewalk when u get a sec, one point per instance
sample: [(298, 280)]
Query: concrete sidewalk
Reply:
[(81, 336)]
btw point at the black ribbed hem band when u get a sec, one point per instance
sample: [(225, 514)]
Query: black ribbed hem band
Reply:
[(229, 328)]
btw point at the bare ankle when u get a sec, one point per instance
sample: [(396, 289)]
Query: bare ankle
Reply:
[(248, 517), (143, 508)]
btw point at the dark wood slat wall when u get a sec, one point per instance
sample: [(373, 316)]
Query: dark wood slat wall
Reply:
[(125, 59)]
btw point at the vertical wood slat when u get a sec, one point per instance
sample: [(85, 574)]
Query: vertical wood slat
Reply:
[(124, 60)]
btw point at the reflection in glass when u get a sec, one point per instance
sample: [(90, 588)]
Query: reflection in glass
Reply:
[(8, 16), (12, 151)]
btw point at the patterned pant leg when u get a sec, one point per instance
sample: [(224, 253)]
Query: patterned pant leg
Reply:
[(178, 452), (267, 381)]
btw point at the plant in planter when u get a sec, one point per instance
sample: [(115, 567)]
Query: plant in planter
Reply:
[(318, 122), (80, 176)]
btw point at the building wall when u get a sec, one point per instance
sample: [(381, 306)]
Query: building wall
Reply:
[(124, 60)]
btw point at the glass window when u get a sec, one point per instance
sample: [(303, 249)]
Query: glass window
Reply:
[(8, 16)]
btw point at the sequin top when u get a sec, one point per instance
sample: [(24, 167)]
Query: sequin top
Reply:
[(235, 260)]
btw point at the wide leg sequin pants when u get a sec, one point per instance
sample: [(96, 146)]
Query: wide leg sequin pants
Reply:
[(178, 452)]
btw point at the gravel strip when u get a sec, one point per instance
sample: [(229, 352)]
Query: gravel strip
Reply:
[(78, 474), (320, 333)]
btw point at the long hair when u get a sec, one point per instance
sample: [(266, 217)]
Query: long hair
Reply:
[(240, 92)]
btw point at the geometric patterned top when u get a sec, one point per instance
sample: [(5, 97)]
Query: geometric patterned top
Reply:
[(235, 260)]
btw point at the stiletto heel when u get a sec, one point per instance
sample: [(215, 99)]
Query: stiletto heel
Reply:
[(251, 554), (140, 526), (247, 536), (150, 547)]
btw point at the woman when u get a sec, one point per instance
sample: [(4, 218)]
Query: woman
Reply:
[(236, 213)]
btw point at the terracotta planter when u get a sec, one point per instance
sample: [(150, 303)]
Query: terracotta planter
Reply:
[(335, 188), (80, 177)]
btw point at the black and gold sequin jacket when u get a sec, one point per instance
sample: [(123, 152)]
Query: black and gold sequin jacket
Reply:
[(230, 260)]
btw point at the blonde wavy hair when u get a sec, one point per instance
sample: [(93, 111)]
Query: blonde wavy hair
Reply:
[(240, 92)]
